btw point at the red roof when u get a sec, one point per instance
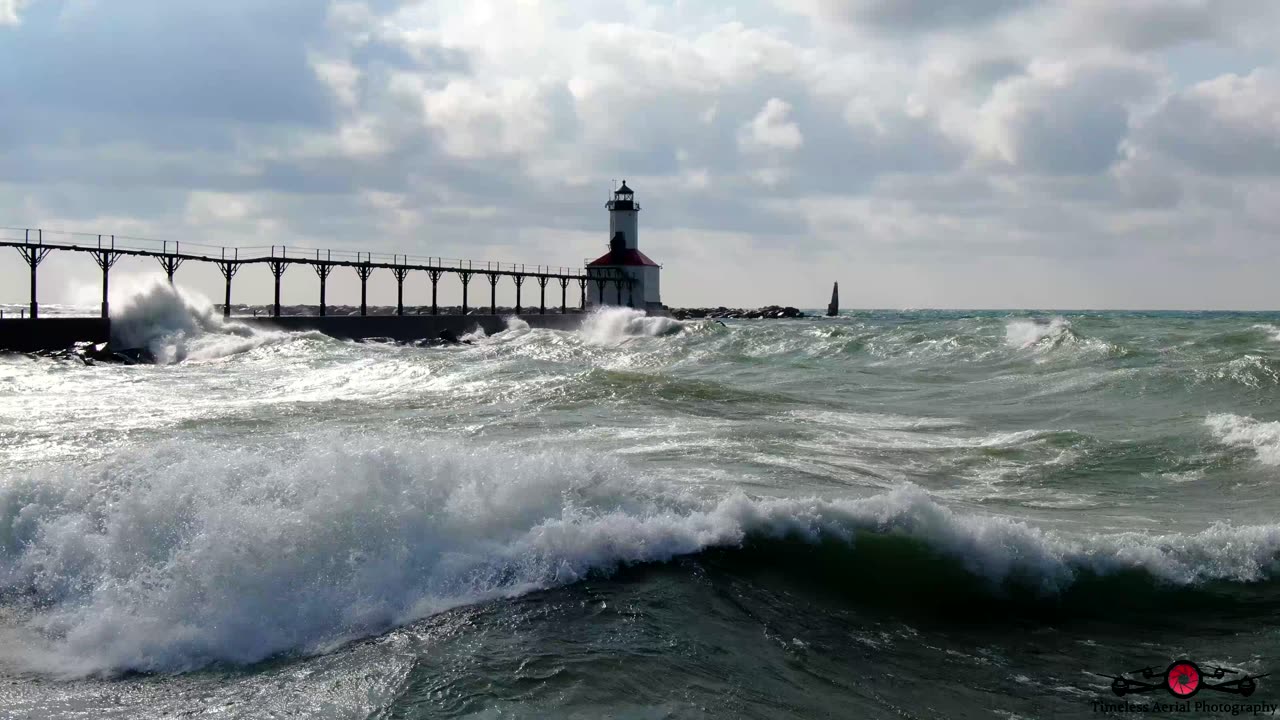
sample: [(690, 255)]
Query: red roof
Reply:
[(625, 256)]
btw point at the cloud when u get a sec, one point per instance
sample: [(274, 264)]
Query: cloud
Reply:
[(892, 143), (771, 129), (11, 12), (1065, 117), (905, 14), (1149, 25), (1229, 125)]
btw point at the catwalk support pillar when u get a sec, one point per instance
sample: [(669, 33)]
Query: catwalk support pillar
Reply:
[(401, 273), (564, 295), (277, 269), (493, 293), (364, 270), (170, 264), (542, 284), (34, 255), (465, 276), (229, 269), (582, 285), (519, 279), (105, 259), (322, 271), (435, 284)]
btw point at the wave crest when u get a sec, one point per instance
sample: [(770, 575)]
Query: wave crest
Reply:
[(1245, 432), (173, 559)]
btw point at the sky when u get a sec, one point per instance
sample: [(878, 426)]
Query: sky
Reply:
[(967, 154)]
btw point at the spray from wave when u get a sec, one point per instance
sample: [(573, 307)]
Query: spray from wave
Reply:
[(1027, 333), (476, 335), (189, 554), (1047, 337), (614, 326), (175, 324)]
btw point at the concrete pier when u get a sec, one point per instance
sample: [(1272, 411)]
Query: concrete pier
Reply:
[(27, 335), (407, 328), (32, 335)]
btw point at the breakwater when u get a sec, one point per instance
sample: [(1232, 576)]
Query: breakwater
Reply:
[(59, 333), (768, 311), (409, 328), (54, 334)]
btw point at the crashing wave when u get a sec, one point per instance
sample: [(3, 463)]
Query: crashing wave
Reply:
[(175, 324), (1045, 337), (1272, 331), (1245, 432), (614, 326), (171, 559)]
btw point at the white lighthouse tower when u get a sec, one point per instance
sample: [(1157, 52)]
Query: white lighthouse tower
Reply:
[(624, 276)]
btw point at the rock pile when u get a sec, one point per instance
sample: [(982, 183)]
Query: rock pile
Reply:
[(770, 311), (92, 354)]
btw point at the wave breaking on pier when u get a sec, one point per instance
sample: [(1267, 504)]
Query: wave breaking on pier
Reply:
[(176, 324)]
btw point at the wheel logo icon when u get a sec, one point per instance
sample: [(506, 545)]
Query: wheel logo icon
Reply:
[(1182, 678)]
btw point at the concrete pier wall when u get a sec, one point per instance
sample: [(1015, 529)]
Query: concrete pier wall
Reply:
[(27, 335), (408, 327)]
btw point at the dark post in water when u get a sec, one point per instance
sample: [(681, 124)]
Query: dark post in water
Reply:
[(834, 308)]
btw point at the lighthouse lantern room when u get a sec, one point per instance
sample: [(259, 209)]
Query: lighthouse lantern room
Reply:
[(624, 260)]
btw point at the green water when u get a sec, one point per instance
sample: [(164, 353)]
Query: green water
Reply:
[(885, 514)]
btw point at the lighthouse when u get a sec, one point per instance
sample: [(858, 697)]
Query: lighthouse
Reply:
[(624, 276)]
